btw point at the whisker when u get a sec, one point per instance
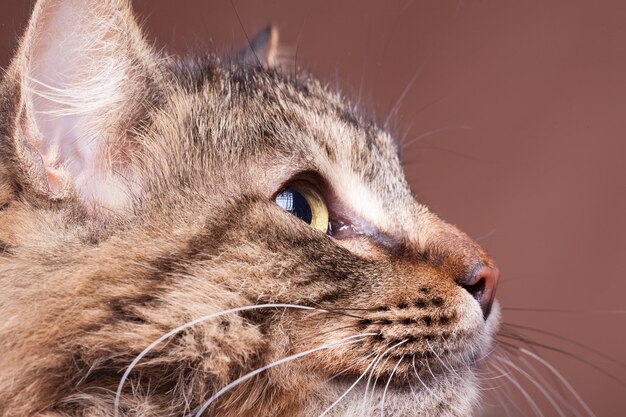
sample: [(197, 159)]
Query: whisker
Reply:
[(536, 384), (338, 374), (509, 396), (338, 311), (502, 403), (398, 103), (492, 378), (351, 387), (432, 132), (531, 402), (566, 339), (382, 401), (359, 98), (118, 393), (560, 377), (337, 343), (243, 29), (430, 370), (383, 365), (563, 311), (512, 348), (390, 38), (369, 378), (376, 379), (441, 361), (557, 394), (324, 333), (382, 355), (432, 392), (566, 353), (298, 40)]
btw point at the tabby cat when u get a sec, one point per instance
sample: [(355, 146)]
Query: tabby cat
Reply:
[(216, 237)]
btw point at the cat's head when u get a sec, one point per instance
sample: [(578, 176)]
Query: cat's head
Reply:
[(141, 193)]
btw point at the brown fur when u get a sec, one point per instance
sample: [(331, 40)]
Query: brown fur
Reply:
[(204, 146)]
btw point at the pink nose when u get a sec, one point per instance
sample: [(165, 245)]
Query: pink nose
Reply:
[(482, 286)]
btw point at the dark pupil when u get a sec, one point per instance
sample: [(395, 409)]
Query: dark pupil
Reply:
[(295, 203)]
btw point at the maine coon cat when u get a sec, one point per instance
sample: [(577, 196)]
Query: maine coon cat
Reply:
[(216, 236)]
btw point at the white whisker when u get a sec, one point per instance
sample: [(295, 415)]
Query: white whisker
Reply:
[(536, 384), (187, 325), (533, 405), (329, 345), (382, 401), (429, 369), (382, 366), (351, 387), (365, 398), (509, 392), (503, 404), (433, 132), (402, 96), (369, 378), (338, 374), (554, 392), (433, 393), (494, 376), (442, 362), (560, 377)]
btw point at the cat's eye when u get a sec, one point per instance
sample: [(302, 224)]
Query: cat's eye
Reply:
[(306, 203)]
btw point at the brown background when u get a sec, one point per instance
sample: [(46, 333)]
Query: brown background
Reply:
[(515, 129)]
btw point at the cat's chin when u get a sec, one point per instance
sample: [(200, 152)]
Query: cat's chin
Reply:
[(448, 397)]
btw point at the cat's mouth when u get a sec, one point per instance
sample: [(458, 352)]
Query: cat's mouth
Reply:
[(422, 361), (403, 365), (420, 374)]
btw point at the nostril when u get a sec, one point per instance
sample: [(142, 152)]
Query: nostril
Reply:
[(477, 290), (482, 286)]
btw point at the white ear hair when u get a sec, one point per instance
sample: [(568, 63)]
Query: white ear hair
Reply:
[(80, 81)]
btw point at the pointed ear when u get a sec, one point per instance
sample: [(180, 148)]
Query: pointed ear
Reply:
[(264, 49), (81, 73)]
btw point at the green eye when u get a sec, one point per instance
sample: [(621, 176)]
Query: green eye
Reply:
[(304, 202)]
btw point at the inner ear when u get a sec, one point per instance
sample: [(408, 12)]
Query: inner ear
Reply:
[(82, 68)]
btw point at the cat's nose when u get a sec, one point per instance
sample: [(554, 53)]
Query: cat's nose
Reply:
[(482, 286)]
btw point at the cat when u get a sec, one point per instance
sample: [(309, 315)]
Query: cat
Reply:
[(218, 237)]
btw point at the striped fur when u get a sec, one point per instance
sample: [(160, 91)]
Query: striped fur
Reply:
[(169, 216)]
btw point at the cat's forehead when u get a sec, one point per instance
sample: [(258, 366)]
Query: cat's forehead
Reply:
[(292, 123)]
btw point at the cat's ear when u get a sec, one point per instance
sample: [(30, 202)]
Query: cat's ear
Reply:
[(81, 73), (265, 49)]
